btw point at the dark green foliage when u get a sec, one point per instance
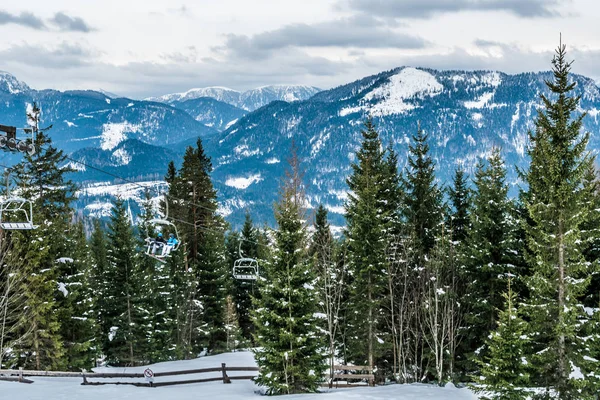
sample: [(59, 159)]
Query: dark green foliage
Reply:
[(123, 343), (556, 209), (423, 197), (460, 202), (366, 234), (290, 345), (489, 253), (74, 302), (504, 370)]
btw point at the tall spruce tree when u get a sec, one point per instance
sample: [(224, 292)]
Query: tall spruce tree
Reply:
[(556, 206), (490, 252), (41, 177), (123, 342), (203, 286), (366, 219), (460, 202), (290, 346), (504, 371), (423, 198)]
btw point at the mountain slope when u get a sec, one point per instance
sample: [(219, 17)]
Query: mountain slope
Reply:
[(210, 112), (464, 113)]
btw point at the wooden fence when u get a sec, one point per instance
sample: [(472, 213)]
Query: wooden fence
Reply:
[(19, 376), (343, 374)]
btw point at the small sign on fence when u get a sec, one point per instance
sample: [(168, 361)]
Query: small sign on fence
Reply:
[(149, 375)]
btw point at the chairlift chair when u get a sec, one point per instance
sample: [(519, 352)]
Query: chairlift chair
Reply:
[(245, 269), (16, 213), (150, 241)]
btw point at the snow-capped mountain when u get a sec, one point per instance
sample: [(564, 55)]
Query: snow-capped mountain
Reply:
[(211, 112), (11, 85), (464, 114), (92, 119), (249, 100)]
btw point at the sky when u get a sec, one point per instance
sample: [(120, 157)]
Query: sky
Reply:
[(142, 48)]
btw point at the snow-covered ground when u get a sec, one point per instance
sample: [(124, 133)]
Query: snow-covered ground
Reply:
[(71, 388)]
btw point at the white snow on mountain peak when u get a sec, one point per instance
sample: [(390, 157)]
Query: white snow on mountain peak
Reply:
[(11, 84), (390, 98), (114, 133)]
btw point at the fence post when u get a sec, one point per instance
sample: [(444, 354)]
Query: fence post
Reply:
[(225, 377), (20, 374)]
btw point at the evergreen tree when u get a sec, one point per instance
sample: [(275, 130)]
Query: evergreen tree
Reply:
[(74, 302), (41, 177), (490, 252), (391, 201), (504, 371), (156, 293), (460, 200), (202, 231), (590, 231), (556, 204), (366, 232), (247, 246), (123, 342), (98, 282), (423, 198), (289, 353)]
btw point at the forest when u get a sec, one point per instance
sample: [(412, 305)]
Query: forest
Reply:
[(428, 282)]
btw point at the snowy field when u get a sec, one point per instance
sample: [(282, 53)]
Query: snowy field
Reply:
[(71, 388)]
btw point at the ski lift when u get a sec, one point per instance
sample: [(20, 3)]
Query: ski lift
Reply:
[(165, 249), (245, 268), (16, 213)]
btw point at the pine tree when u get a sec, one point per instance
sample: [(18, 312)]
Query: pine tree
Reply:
[(289, 352), (156, 293), (247, 245), (490, 252), (74, 302), (41, 177), (125, 337), (366, 232), (202, 232), (98, 281), (504, 371), (460, 201), (423, 198), (556, 206)]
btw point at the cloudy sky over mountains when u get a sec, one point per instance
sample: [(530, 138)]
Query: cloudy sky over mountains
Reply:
[(141, 48)]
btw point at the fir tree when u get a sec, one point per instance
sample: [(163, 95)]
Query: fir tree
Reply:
[(423, 197), (366, 232), (123, 341), (98, 281), (556, 206), (202, 231), (74, 302), (289, 352), (490, 251), (504, 371), (460, 200)]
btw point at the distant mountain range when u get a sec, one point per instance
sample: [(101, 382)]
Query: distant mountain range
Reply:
[(249, 134), (249, 100)]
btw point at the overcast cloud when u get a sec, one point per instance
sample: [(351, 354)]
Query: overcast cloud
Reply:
[(153, 47)]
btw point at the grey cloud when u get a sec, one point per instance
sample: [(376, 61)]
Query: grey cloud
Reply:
[(63, 56), (24, 19), (405, 9), (68, 23), (356, 32), (290, 65)]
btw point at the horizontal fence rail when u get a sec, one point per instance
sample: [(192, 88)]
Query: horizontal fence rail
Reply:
[(9, 375)]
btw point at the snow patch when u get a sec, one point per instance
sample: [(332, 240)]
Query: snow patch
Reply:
[(121, 156), (63, 289), (481, 102), (114, 133), (70, 124), (243, 183), (273, 160)]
